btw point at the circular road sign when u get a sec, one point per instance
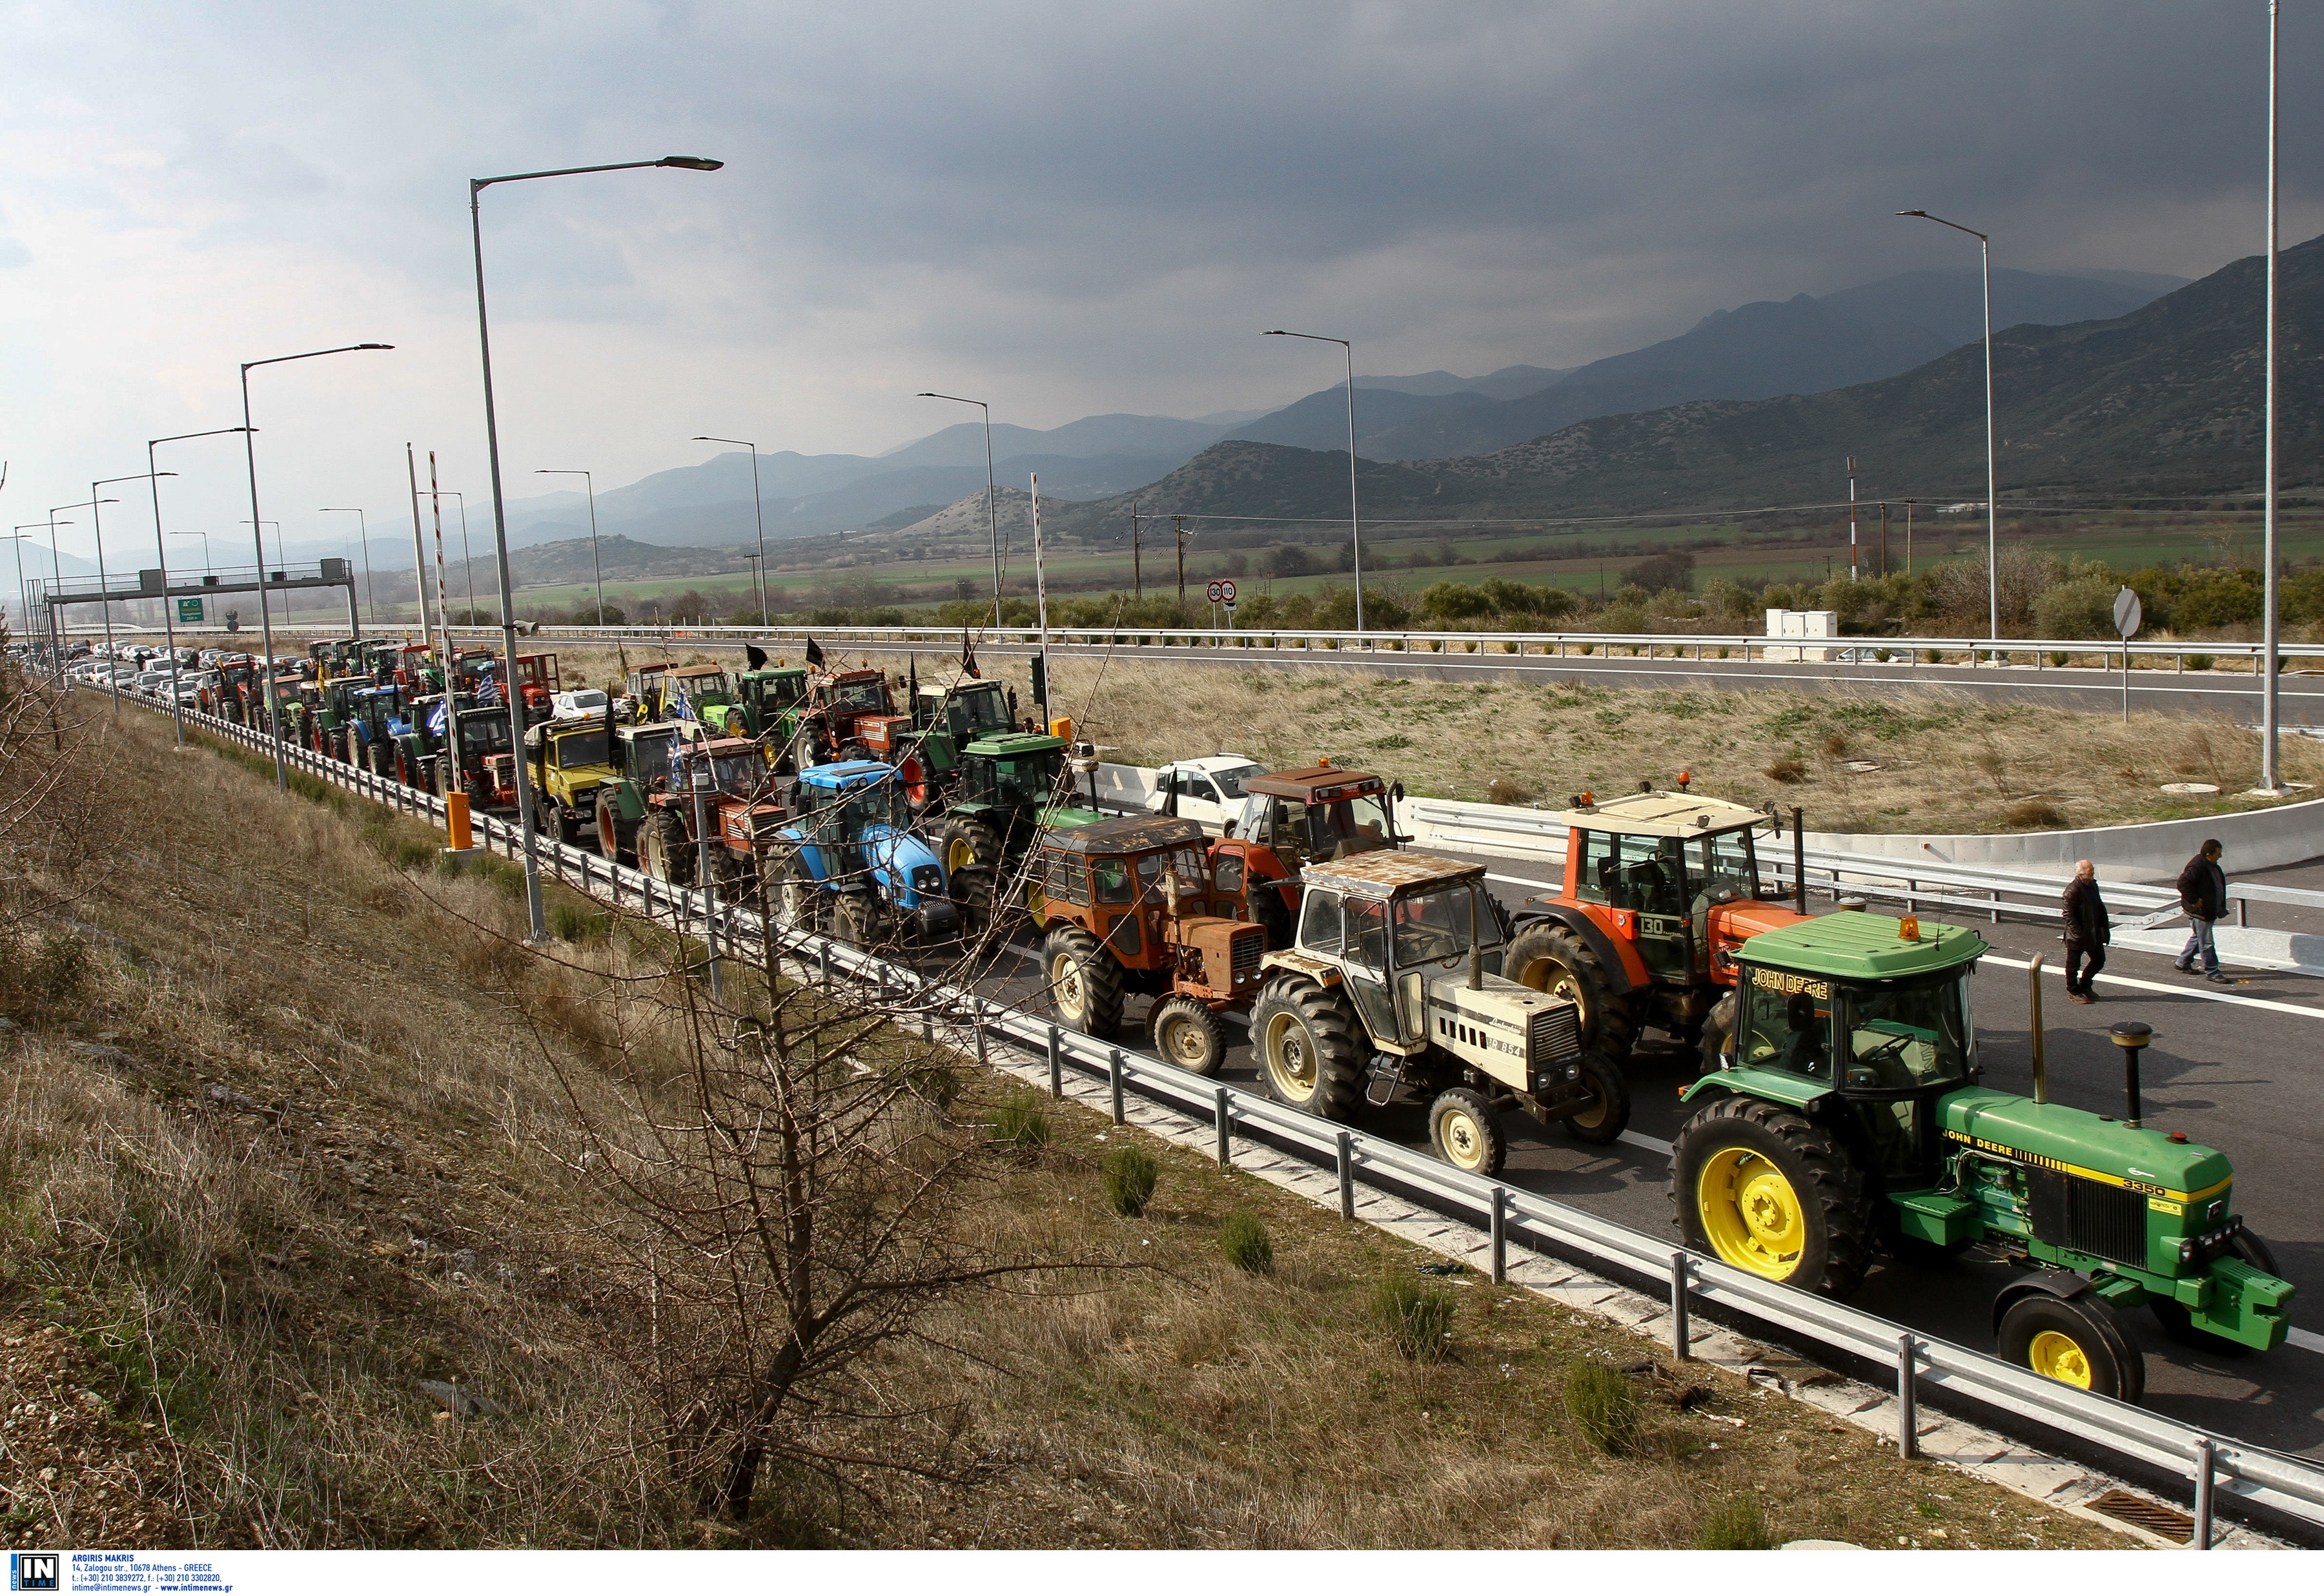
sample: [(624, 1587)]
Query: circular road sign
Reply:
[(1227, 593), (1213, 592), (2129, 615)]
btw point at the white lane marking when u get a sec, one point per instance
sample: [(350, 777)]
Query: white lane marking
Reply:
[(1647, 1142), (2204, 992), (1519, 880), (2307, 1339)]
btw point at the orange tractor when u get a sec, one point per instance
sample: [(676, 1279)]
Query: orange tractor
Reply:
[(1661, 889), (1290, 819)]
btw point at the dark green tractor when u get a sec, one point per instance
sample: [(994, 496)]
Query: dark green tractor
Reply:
[(771, 698), (1848, 1122), (1011, 786)]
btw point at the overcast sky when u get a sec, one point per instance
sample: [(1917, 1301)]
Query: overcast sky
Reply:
[(1065, 208)]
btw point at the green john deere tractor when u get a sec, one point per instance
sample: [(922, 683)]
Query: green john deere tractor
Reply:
[(1011, 786), (1847, 1120)]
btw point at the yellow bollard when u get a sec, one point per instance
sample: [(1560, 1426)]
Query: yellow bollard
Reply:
[(456, 815)]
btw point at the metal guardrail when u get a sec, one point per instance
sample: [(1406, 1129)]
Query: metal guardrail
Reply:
[(2213, 1464)]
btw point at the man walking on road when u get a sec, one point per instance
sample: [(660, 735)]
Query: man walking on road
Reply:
[(2087, 932), (2203, 894)]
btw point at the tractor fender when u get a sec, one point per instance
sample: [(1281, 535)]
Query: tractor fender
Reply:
[(809, 856), (2061, 1284), (1624, 969)]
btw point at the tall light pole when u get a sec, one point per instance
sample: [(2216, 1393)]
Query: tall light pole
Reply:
[(589, 483), (161, 553), (991, 514), (1992, 502), (24, 605), (258, 532), (1355, 526), (757, 510), (363, 533), (468, 559), (104, 584), (2270, 621), (57, 577), (476, 186)]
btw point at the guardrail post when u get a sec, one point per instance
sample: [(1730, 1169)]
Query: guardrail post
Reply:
[(1908, 1417), (824, 951), (976, 1018), (1113, 1079), (1681, 1332), (1056, 1063), (1222, 1115), (1347, 1176), (1500, 1235), (2201, 1540)]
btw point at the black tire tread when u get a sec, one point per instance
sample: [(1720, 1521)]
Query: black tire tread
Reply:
[(1195, 1012), (1610, 1022), (1615, 1087)]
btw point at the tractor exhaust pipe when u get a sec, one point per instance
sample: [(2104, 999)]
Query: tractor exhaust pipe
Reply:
[(2040, 1063), (1476, 948), (2132, 1037), (1799, 862)]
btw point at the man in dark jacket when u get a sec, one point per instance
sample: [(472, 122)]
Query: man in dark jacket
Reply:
[(2087, 932), (2203, 894)]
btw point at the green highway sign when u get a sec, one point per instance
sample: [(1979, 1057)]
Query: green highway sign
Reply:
[(190, 611)]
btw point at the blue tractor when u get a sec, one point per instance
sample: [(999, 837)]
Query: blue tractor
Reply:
[(851, 865)]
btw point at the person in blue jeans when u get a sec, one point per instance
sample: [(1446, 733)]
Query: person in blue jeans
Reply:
[(2203, 894)]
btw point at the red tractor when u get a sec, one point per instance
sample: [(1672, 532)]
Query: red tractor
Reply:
[(537, 679), (1660, 890), (1291, 819), (839, 705)]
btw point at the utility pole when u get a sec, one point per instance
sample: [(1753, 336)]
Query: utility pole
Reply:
[(1178, 526), (1136, 583), (1851, 518), (1908, 537), (2270, 776), (1883, 539)]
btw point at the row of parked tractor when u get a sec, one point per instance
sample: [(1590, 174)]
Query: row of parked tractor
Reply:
[(1840, 1114)]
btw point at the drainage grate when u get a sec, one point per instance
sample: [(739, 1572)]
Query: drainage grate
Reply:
[(2154, 1517)]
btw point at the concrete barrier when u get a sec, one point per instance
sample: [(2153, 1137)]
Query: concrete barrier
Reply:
[(2253, 839)]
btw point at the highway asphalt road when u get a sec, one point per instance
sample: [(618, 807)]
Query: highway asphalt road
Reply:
[(2230, 1065)]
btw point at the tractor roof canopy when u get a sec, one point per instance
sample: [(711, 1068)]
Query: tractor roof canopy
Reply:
[(1015, 744), (844, 776), (1383, 871), (1127, 834), (1316, 784), (1661, 814), (700, 672), (1852, 945)]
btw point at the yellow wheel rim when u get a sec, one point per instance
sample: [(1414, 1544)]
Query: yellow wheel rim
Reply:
[(1183, 1041), (959, 855), (1549, 975), (2058, 1356), (1288, 1058), (1464, 1139), (1751, 1216), (1066, 984)]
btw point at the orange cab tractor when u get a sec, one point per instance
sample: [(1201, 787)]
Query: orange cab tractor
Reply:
[(838, 704), (1660, 890), (1290, 819), (1126, 906), (537, 679)]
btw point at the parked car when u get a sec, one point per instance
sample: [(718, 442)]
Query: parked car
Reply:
[(1208, 790)]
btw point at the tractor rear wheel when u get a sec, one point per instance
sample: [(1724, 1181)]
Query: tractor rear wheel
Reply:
[(971, 849), (1769, 1191), (609, 829), (2180, 1325), (663, 850), (1466, 1132), (1310, 1047), (1548, 957), (1084, 981), (2079, 1341), (1605, 1120), (856, 919), (1187, 1034)]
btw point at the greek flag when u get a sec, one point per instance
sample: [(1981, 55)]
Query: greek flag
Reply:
[(683, 708), (436, 721), (488, 690)]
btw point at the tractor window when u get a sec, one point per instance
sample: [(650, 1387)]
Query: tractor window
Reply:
[(1149, 873), (1367, 932), (586, 748), (1352, 825), (740, 775), (1026, 781), (1231, 874), (1786, 1024), (1905, 1035), (1320, 922), (1287, 827), (987, 708), (1722, 867), (651, 757), (1435, 925), (869, 697), (1639, 873), (1109, 880), (1067, 878)]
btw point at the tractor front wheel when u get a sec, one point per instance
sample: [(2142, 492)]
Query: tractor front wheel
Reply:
[(1310, 1046), (1084, 981), (609, 829), (1548, 957), (856, 920), (1466, 1131), (2079, 1341), (971, 849), (1604, 1120), (663, 850), (1187, 1034), (1771, 1192)]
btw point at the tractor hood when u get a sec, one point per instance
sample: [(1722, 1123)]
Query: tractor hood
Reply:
[(2077, 1141)]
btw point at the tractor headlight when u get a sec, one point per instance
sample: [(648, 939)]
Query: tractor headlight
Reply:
[(2186, 1252), (927, 878), (1573, 1071)]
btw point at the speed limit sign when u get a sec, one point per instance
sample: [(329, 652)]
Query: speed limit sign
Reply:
[(1226, 592), (1216, 590)]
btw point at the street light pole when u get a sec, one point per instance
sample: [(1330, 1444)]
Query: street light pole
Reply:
[(468, 559), (757, 510), (1992, 500), (2271, 631), (362, 531), (1355, 525), (476, 186), (161, 552), (991, 514), (104, 583), (590, 483), (57, 579), (258, 532)]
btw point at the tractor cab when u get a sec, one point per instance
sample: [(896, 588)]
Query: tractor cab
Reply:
[(838, 703), (334, 657), (648, 685), (1023, 772), (702, 693), (737, 767), (1320, 813), (413, 671), (770, 698), (965, 712), (537, 679)]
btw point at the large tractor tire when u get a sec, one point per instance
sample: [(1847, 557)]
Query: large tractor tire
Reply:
[(1466, 1132), (2180, 1325), (1188, 1034), (611, 841), (973, 855), (1605, 1120), (1310, 1047), (1084, 981), (1548, 957), (663, 850), (1769, 1191), (856, 920), (2079, 1341)]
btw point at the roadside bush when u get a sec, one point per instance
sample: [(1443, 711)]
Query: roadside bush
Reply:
[(2083, 607), (1020, 1122), (1728, 601), (2200, 661), (1787, 769), (2035, 815), (1603, 1407), (1501, 789), (1658, 573), (1245, 1242), (1417, 1319), (1736, 1524), (576, 922), (1130, 1175)]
